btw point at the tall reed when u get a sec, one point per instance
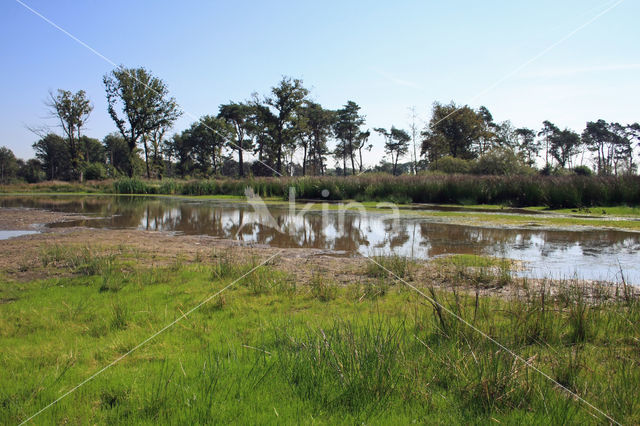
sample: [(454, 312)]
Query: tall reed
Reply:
[(551, 191)]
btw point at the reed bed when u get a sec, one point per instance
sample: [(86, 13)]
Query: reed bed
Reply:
[(551, 191)]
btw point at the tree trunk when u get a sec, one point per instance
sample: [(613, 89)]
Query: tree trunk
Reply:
[(546, 160), (415, 157), (131, 163), (353, 166), (146, 157), (395, 163), (279, 160), (304, 161), (344, 164), (240, 162)]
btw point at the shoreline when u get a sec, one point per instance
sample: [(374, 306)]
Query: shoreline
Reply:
[(490, 217), (20, 257)]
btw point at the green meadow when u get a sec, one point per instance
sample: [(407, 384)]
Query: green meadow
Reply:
[(269, 349)]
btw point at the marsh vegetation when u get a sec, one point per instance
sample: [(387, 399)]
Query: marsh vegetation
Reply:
[(274, 349)]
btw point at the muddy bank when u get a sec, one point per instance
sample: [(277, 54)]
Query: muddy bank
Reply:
[(21, 259), (22, 219)]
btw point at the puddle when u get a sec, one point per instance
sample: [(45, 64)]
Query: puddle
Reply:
[(4, 235)]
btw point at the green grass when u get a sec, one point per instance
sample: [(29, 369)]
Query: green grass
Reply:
[(551, 191), (603, 211), (523, 220), (469, 260), (270, 351), (478, 271), (392, 267)]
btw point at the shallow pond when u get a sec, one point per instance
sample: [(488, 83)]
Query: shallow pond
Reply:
[(592, 254)]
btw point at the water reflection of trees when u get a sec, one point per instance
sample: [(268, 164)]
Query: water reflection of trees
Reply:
[(439, 239), (349, 232)]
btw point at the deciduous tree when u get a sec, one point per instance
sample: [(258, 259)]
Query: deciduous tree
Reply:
[(528, 145), (8, 165), (238, 115), (564, 144), (139, 104), (453, 130), (317, 127), (53, 152), (285, 99), (72, 110)]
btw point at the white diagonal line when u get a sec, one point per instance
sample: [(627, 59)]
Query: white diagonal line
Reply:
[(153, 336), (100, 55), (528, 62), (494, 341), (544, 51)]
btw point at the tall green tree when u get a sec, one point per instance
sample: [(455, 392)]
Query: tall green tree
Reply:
[(346, 129), (205, 140), (157, 142), (93, 150), (177, 148), (633, 132), (238, 115), (452, 130), (623, 149), (117, 153), (564, 145), (316, 129), (548, 131), (8, 165), (505, 135), (599, 139), (139, 104), (30, 171), (396, 144), (488, 133), (528, 145), (362, 144), (53, 152), (286, 99), (261, 128), (72, 110)]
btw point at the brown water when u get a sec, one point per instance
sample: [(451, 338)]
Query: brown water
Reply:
[(590, 254)]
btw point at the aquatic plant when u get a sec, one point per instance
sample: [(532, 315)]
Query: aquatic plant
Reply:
[(531, 190)]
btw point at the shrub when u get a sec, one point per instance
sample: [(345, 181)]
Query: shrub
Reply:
[(583, 171), (500, 161), (95, 171), (452, 165)]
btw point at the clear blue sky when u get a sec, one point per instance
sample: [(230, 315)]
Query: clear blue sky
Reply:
[(386, 56)]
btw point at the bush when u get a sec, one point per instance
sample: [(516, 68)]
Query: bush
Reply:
[(583, 171), (500, 161), (95, 171), (452, 165)]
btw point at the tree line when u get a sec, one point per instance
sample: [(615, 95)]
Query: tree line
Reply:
[(287, 134)]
